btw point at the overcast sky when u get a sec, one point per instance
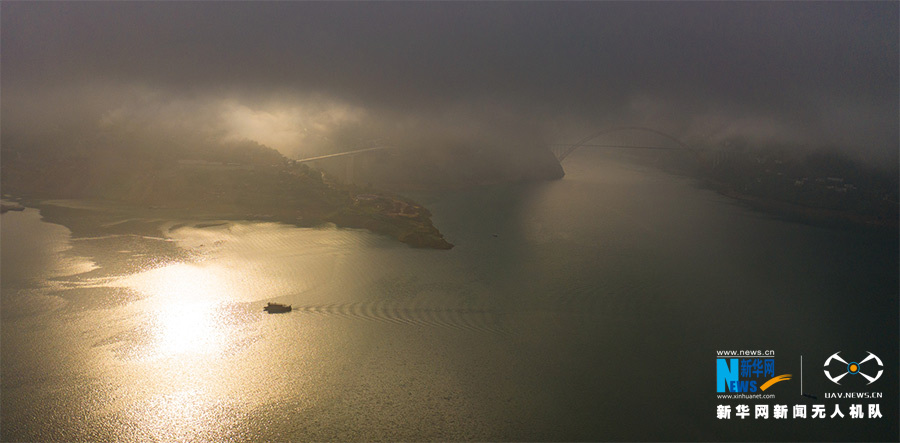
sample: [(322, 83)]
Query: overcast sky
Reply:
[(289, 74)]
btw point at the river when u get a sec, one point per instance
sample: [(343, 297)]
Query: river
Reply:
[(588, 308)]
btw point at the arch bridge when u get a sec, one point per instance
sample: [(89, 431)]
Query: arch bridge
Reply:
[(628, 137), (624, 137)]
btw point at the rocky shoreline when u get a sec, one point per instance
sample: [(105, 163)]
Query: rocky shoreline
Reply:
[(13, 206)]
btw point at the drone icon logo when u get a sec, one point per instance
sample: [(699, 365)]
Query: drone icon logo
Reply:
[(852, 368)]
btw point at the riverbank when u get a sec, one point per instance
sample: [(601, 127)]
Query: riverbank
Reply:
[(816, 188), (805, 214), (265, 186), (87, 218)]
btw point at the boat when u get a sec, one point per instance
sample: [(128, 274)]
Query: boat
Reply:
[(276, 308)]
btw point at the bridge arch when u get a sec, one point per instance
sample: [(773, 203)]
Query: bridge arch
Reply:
[(567, 150)]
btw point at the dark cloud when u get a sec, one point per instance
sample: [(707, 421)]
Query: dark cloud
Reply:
[(815, 73)]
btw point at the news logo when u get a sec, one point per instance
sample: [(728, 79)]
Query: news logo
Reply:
[(747, 374)]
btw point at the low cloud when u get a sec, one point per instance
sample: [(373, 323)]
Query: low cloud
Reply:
[(306, 78)]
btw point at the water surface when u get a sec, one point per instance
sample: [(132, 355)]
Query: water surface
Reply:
[(588, 308)]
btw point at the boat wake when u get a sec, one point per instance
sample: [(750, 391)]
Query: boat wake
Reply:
[(389, 311)]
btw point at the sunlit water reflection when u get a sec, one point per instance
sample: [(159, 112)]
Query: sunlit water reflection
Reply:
[(185, 301)]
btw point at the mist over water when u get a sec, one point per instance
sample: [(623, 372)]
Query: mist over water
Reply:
[(588, 308)]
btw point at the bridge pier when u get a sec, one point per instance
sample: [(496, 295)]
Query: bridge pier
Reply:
[(348, 174)]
